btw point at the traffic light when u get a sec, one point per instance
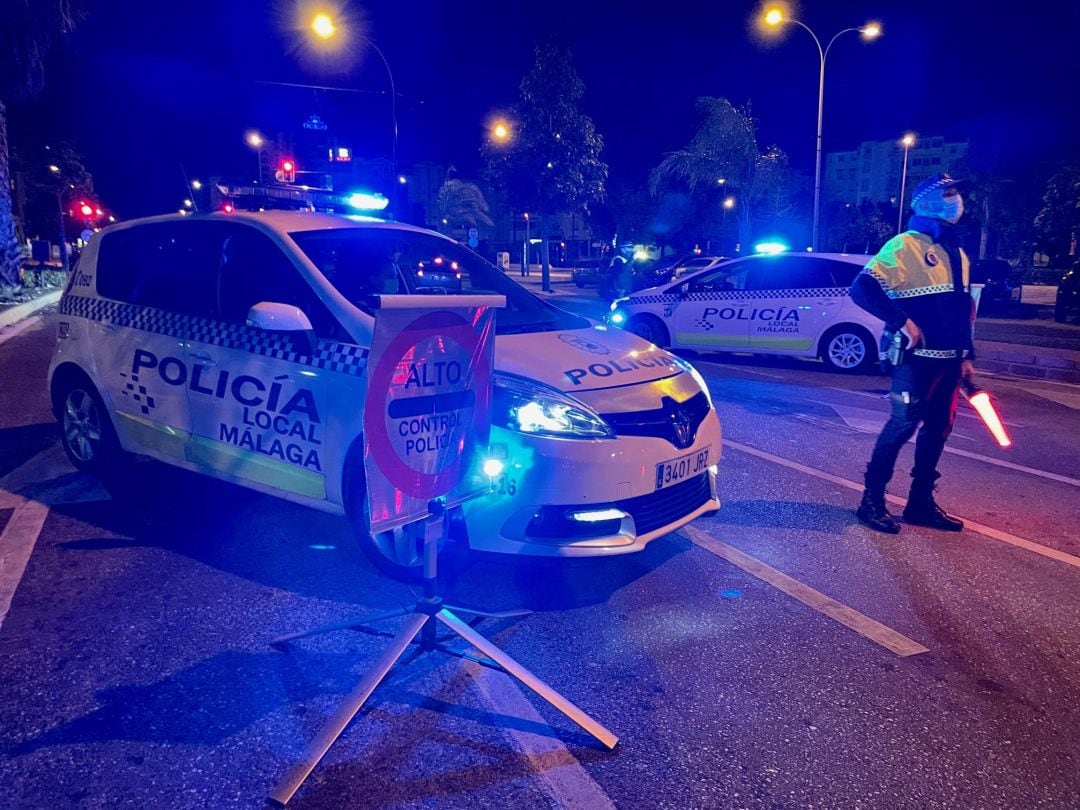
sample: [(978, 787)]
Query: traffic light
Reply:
[(86, 209), (286, 172)]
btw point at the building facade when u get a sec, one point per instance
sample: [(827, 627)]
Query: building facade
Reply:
[(873, 171)]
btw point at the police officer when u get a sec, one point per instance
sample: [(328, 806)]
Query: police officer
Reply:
[(918, 285)]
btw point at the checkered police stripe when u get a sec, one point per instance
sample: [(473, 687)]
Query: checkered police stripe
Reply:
[(740, 295), (328, 355), (941, 354), (879, 277), (917, 291)]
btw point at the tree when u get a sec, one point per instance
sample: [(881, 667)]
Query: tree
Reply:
[(462, 204), (861, 228), (31, 29), (552, 163), (1058, 223)]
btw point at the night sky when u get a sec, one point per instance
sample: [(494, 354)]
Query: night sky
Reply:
[(143, 88)]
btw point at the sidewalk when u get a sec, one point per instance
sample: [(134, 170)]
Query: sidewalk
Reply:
[(36, 299)]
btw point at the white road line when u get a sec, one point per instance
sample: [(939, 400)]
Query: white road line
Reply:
[(1064, 479), (862, 624), (987, 531), (561, 776), (16, 543)]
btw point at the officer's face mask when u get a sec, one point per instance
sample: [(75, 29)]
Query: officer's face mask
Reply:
[(952, 208)]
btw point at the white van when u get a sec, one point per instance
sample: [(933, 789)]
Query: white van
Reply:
[(789, 303), (234, 345)]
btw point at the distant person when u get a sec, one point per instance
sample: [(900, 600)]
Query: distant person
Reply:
[(918, 285)]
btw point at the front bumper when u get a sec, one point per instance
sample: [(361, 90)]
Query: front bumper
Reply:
[(548, 479)]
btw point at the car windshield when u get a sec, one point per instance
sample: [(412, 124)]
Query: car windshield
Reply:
[(362, 262)]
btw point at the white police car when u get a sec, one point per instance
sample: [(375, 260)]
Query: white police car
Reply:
[(789, 303), (234, 345)]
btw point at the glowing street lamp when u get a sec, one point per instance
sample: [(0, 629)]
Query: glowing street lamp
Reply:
[(907, 141), (775, 17), (323, 26), (500, 131), (256, 141)]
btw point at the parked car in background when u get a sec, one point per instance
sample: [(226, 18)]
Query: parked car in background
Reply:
[(643, 273), (589, 271), (1000, 285), (1067, 304), (693, 264)]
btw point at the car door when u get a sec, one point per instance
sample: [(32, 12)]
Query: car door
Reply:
[(710, 314), (260, 400), (156, 278), (792, 300)]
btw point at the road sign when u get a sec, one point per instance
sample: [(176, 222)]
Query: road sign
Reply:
[(473, 233), (427, 409)]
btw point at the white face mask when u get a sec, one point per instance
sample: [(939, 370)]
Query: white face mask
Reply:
[(952, 208)]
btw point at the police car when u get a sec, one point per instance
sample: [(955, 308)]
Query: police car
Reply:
[(790, 303), (235, 345)]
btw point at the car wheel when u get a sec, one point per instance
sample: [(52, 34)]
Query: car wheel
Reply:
[(650, 328), (847, 349), (86, 431), (398, 553)]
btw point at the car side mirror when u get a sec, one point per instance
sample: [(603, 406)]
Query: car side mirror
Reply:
[(285, 319), (685, 288)]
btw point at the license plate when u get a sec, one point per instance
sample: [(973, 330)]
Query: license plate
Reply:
[(679, 469)]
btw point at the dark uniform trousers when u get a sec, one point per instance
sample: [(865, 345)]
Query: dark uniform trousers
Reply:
[(923, 390)]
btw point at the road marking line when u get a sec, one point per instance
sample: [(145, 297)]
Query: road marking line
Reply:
[(16, 544), (862, 624), (562, 777), (1064, 479), (987, 531)]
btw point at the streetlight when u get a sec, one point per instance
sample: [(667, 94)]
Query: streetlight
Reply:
[(908, 140), (500, 131), (775, 17), (256, 141), (324, 27), (729, 203)]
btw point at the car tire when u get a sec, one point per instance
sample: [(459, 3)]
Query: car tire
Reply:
[(87, 433), (397, 553), (847, 348), (650, 328)]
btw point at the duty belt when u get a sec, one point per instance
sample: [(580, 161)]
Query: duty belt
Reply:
[(941, 354)]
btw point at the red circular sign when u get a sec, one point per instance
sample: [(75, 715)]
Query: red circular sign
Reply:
[(444, 328)]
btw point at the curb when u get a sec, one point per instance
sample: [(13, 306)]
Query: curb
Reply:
[(13, 315), (1032, 362)]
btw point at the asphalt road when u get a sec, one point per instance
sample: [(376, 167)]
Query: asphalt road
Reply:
[(776, 655)]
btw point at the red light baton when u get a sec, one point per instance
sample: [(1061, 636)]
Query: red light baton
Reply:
[(980, 401)]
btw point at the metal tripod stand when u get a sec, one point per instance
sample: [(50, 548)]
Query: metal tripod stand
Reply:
[(422, 622)]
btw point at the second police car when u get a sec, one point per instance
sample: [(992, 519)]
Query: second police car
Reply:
[(791, 303), (235, 345)]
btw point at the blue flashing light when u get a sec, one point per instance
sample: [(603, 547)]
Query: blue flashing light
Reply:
[(770, 248), (366, 201), (618, 318)]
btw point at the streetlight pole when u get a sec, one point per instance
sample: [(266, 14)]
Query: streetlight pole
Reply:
[(907, 141), (869, 31)]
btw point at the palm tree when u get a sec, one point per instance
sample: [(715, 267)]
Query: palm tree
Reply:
[(462, 203), (31, 29)]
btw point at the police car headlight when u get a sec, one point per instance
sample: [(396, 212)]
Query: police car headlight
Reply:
[(529, 407), (697, 378)]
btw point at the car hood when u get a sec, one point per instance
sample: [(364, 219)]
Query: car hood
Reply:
[(589, 359)]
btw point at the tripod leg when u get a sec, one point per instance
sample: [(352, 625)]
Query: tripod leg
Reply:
[(487, 614), (348, 624), (512, 667), (292, 780)]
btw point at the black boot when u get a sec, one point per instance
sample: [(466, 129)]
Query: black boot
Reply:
[(873, 512), (922, 510)]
